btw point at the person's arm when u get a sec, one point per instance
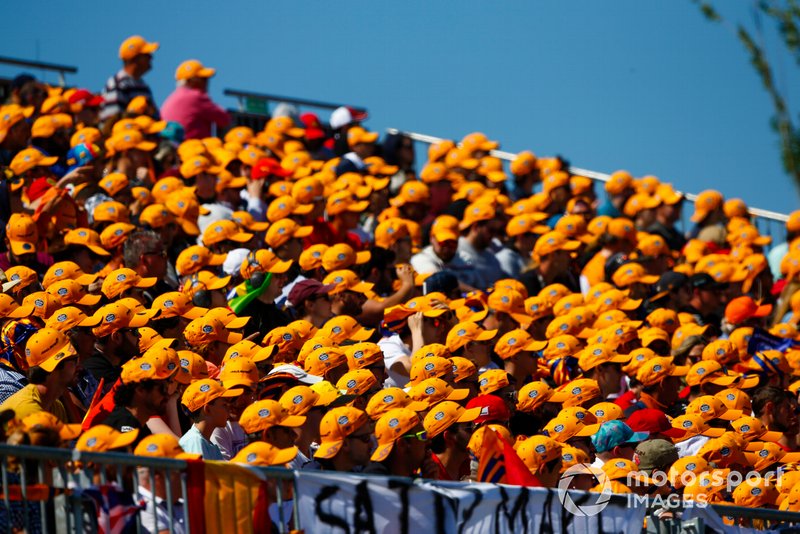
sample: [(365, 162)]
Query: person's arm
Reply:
[(158, 426), (213, 112), (372, 310)]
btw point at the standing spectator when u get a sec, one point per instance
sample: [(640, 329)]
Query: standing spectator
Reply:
[(137, 58), (190, 106)]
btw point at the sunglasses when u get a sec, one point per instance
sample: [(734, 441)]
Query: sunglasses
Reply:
[(422, 435)]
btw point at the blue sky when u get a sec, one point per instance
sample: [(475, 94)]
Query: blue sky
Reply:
[(650, 87)]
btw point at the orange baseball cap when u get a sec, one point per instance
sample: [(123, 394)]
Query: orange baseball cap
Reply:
[(342, 201), (69, 317), (344, 327), (464, 332), (433, 390), (44, 419), (71, 292), (389, 398), (201, 392), (709, 407), (121, 280), (192, 68), (336, 426), (532, 395), (563, 428), (135, 45), (299, 400), (656, 369), (155, 364), (619, 182), (476, 212), (116, 316), (342, 256), (47, 348), (284, 230), (553, 241), (446, 413), (432, 367), (576, 392), (224, 230), (175, 304), (102, 438), (598, 354), (163, 446), (86, 238), (743, 308), (357, 382), (22, 234), (262, 454), (322, 360), (362, 354), (10, 309), (516, 341), (267, 413), (29, 158), (284, 206), (706, 202), (391, 426), (411, 192), (492, 380), (241, 372), (207, 329)]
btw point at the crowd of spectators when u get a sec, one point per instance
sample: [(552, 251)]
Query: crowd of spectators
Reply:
[(305, 296)]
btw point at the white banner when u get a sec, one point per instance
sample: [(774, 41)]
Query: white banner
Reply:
[(335, 502)]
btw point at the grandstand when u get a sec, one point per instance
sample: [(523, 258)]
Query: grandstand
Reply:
[(259, 319)]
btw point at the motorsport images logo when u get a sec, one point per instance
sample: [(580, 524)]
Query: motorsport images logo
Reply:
[(594, 504)]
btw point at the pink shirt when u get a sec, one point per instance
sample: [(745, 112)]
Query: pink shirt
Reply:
[(195, 111)]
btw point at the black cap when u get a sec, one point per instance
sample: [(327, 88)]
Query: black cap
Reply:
[(669, 281), (705, 281), (442, 282)]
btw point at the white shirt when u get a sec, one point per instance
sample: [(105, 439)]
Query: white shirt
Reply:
[(162, 519), (393, 349), (230, 439), (194, 442)]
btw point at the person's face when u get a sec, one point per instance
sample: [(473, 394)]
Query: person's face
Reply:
[(560, 195), (130, 341), (206, 186), (416, 449), (155, 399), (402, 250), (785, 417), (320, 306), (557, 261), (143, 63), (217, 411), (364, 150), (231, 196), (359, 446), (18, 135), (281, 436), (434, 330), (478, 352), (446, 250), (67, 371), (155, 263), (712, 300), (483, 234), (670, 387), (378, 370), (347, 303), (524, 244), (459, 434), (290, 250)]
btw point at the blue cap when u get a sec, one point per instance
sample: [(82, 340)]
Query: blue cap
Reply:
[(615, 433), (173, 131), (442, 282), (80, 155)]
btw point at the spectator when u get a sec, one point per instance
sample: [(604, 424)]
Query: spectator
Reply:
[(190, 106), (345, 440), (207, 403), (137, 57)]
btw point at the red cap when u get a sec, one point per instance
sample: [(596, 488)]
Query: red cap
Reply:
[(38, 188), (653, 421), (266, 167), (85, 97), (313, 126), (492, 408)]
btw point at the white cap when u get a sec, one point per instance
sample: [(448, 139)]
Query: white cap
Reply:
[(341, 116)]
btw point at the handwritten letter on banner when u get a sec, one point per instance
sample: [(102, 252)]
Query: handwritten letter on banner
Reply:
[(330, 502)]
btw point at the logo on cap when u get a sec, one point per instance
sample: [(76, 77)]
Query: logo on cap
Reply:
[(145, 367), (657, 368), (600, 413), (323, 357), (540, 449), (512, 341), (207, 329), (61, 317), (205, 387), (263, 412), (687, 424), (297, 399), (184, 362), (438, 415), (110, 318), (91, 442), (744, 428), (597, 352), (430, 390), (336, 329), (343, 420), (351, 384), (393, 422), (388, 399), (358, 354), (558, 428), (429, 366), (38, 303)]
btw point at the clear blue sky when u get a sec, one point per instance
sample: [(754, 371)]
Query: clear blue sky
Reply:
[(650, 87)]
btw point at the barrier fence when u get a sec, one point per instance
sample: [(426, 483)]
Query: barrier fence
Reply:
[(64, 491)]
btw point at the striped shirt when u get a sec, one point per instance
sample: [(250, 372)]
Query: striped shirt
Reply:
[(120, 89)]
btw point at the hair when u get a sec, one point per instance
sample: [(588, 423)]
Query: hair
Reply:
[(139, 243), (767, 394), (123, 395), (438, 444), (37, 375), (162, 325)]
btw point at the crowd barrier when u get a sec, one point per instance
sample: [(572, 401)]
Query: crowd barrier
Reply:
[(65, 491)]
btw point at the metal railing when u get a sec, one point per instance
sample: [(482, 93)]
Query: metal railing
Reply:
[(67, 474), (244, 96), (62, 70), (768, 222)]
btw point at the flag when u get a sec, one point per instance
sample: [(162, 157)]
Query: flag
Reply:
[(116, 510), (500, 464), (762, 340), (227, 498)]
